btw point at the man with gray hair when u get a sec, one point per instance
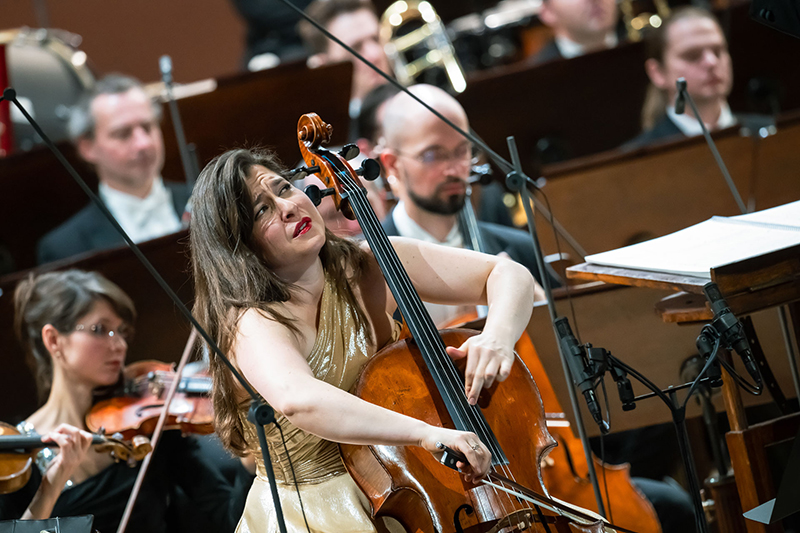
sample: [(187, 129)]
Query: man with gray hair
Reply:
[(115, 128)]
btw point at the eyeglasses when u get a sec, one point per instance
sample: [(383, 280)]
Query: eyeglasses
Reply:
[(437, 155), (104, 332)]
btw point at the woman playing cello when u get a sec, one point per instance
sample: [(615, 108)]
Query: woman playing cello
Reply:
[(300, 311), (75, 327)]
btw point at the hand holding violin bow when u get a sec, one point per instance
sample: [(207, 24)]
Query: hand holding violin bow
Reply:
[(17, 454)]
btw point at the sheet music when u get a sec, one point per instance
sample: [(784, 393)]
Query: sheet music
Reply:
[(694, 251), (782, 215)]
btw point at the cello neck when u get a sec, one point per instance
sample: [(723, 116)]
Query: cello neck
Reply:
[(448, 381)]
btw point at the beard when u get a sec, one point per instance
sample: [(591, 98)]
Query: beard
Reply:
[(448, 205)]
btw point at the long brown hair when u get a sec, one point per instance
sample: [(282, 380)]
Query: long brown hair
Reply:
[(655, 46), (230, 277)]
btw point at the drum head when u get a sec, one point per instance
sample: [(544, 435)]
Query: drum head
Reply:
[(49, 75)]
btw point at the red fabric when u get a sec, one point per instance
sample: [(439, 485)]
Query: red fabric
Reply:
[(6, 144)]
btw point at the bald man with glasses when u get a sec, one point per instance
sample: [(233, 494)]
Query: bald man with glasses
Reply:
[(427, 164)]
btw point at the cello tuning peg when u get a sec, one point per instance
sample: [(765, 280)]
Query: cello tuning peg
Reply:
[(315, 194), (349, 151), (369, 170), (302, 172)]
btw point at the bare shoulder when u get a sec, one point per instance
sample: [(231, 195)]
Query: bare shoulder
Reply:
[(256, 326)]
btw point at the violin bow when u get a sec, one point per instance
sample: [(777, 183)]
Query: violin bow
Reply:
[(451, 457), (162, 418)]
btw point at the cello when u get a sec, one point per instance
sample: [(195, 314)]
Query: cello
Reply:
[(417, 378), (564, 471)]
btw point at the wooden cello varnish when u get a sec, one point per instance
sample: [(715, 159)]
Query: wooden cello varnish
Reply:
[(418, 379)]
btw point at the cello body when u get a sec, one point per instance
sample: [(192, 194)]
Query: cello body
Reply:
[(564, 471), (408, 484), (417, 378)]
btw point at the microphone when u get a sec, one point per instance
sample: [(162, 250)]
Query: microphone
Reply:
[(165, 65), (680, 99), (730, 330), (583, 373)]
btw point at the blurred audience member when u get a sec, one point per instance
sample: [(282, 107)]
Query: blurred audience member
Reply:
[(579, 27)]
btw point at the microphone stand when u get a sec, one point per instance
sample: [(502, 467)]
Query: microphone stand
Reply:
[(713, 337), (260, 412), (517, 181), (679, 108), (188, 158)]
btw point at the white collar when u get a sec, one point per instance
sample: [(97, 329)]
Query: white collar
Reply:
[(407, 227), (690, 126), (570, 48), (143, 218), (115, 196), (354, 107)]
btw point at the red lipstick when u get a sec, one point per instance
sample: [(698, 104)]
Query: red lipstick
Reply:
[(302, 227)]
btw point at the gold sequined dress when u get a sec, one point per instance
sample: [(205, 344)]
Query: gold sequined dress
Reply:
[(331, 499)]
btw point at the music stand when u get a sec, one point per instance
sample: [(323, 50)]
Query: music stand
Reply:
[(66, 524), (786, 503)]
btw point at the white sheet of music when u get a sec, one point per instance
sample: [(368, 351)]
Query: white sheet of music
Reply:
[(694, 251)]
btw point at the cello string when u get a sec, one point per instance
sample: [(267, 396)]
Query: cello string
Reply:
[(357, 199), (407, 297), (380, 245), (469, 227)]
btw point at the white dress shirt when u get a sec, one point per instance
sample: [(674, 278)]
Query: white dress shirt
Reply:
[(407, 227), (690, 126), (143, 218), (570, 48)]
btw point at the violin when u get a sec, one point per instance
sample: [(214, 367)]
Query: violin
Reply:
[(134, 410), (417, 378), (564, 471), (17, 453)]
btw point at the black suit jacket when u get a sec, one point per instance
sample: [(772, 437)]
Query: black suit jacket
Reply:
[(663, 130), (89, 229), (516, 243), (548, 52)]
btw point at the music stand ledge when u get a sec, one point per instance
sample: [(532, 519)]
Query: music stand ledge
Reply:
[(750, 285)]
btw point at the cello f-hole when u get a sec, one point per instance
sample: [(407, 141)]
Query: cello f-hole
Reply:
[(457, 516)]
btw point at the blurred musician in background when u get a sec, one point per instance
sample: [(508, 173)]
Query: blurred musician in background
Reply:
[(370, 118), (116, 129), (579, 27), (355, 23), (75, 327), (689, 44), (428, 164), (272, 36)]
